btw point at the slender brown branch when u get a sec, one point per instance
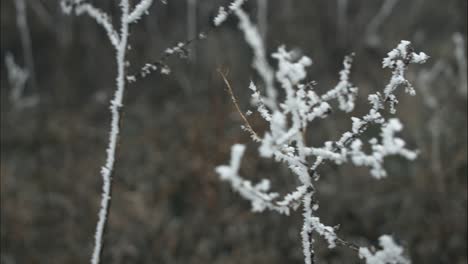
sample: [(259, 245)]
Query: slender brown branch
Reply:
[(248, 127)]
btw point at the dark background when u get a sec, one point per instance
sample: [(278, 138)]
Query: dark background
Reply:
[(168, 205)]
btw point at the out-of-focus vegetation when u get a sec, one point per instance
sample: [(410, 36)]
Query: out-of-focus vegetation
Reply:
[(168, 204)]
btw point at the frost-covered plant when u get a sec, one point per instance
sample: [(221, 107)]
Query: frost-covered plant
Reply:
[(119, 40), (285, 140)]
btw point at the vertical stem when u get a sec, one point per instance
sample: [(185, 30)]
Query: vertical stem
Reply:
[(22, 23), (115, 107)]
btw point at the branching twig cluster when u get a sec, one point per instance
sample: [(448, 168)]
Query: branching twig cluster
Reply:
[(288, 120), (285, 139)]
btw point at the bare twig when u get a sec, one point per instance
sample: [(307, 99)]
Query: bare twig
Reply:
[(248, 127)]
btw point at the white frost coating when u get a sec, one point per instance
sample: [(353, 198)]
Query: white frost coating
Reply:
[(306, 232), (391, 253), (258, 100), (223, 13), (312, 223), (139, 10), (284, 140), (398, 59), (260, 64), (221, 16), (116, 104), (288, 70), (176, 49), (101, 18), (344, 91), (120, 43), (257, 194), (390, 145)]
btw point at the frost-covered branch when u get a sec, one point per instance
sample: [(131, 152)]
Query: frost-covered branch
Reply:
[(398, 60), (139, 10), (101, 18), (257, 194), (160, 66), (120, 42), (344, 91), (181, 48), (223, 13), (260, 64), (285, 139)]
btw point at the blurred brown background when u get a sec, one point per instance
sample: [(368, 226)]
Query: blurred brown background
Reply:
[(168, 205)]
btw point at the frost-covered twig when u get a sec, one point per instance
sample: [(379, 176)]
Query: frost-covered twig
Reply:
[(181, 48), (257, 194), (223, 13), (120, 42), (391, 253), (140, 9), (260, 64), (102, 19), (285, 141), (398, 60), (344, 91)]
